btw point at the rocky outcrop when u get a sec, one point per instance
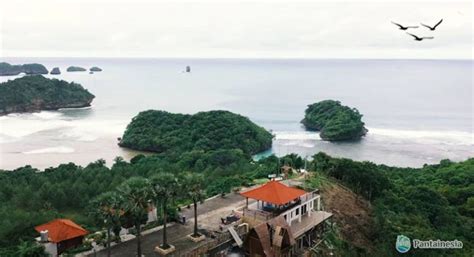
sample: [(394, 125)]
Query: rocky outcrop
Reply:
[(95, 69), (37, 93), (55, 71), (7, 69), (75, 68), (335, 121)]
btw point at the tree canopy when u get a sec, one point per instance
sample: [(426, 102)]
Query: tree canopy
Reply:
[(174, 134), (433, 202)]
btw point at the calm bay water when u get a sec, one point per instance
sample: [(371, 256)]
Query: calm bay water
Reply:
[(417, 111)]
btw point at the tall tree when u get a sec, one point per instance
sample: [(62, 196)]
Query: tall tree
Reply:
[(166, 188), (137, 194), (107, 209), (193, 188)]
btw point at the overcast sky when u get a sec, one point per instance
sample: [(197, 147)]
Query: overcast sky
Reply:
[(230, 28)]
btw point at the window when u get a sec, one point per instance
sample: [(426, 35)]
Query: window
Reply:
[(297, 211)]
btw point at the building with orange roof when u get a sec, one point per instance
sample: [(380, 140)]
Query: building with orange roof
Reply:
[(60, 235), (285, 221)]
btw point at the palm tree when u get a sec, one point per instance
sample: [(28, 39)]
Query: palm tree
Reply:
[(108, 208), (166, 188), (193, 187), (136, 193), (30, 249)]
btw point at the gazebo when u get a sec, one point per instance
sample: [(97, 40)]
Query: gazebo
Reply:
[(274, 196)]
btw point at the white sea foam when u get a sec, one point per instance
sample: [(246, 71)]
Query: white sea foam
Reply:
[(57, 149), (6, 139), (17, 126), (78, 135), (47, 115), (20, 127), (296, 135)]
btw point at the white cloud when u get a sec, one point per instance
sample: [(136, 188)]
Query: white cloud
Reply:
[(299, 29)]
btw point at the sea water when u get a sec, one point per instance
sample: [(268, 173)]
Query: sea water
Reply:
[(417, 111)]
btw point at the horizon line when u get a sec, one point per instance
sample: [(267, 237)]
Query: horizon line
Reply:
[(240, 58)]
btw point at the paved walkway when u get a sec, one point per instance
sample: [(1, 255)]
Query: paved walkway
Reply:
[(209, 214)]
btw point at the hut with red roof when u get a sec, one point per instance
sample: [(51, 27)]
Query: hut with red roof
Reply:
[(60, 235)]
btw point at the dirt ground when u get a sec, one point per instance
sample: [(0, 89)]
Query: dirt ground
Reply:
[(352, 214)]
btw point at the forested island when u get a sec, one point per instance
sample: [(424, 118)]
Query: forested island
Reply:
[(36, 93), (335, 121), (7, 69), (164, 132)]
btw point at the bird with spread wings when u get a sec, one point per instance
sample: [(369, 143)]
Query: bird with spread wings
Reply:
[(417, 38), (434, 27), (401, 27)]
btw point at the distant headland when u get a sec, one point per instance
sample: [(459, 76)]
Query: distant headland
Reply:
[(7, 69)]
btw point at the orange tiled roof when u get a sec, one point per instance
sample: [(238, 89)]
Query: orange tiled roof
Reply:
[(62, 230), (274, 192)]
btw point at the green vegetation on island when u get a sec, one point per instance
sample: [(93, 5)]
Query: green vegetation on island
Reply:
[(36, 93), (75, 68), (335, 121), (164, 132), (7, 69)]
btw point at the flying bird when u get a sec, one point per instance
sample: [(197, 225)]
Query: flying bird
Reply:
[(417, 38), (401, 27), (434, 27)]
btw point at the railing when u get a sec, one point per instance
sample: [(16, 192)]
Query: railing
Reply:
[(257, 214), (311, 196), (308, 196)]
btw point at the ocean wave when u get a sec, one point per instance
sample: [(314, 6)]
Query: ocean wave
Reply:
[(17, 126), (447, 137), (78, 135), (57, 149), (297, 144), (6, 139), (20, 127), (296, 135), (47, 115)]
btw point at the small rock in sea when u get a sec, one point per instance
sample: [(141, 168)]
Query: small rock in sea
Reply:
[(95, 69), (55, 71), (75, 68)]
